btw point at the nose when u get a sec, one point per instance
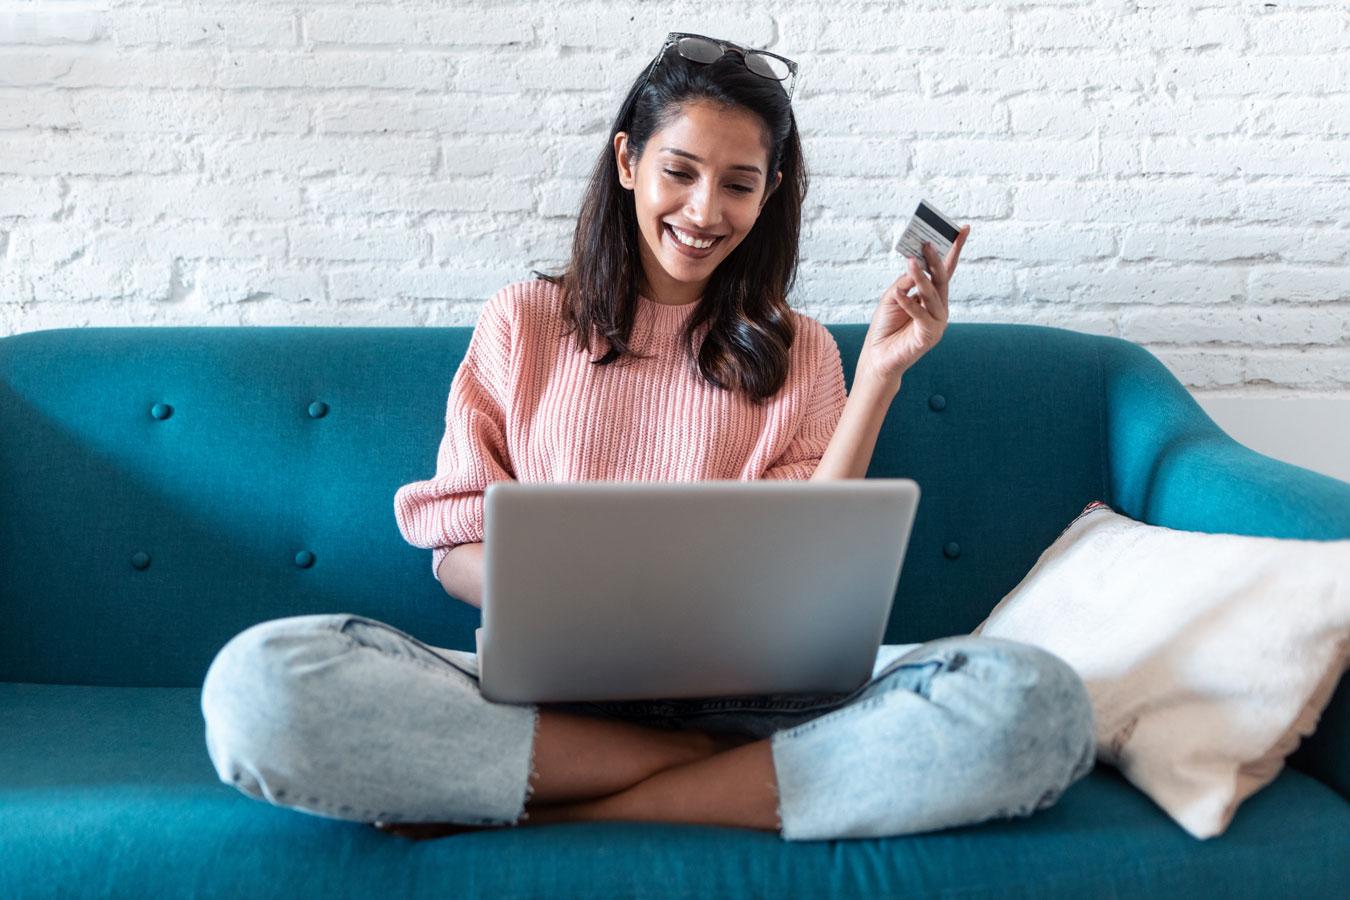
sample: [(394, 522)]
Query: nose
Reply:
[(703, 210)]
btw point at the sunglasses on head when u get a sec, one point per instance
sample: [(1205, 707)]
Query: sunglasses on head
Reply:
[(703, 49)]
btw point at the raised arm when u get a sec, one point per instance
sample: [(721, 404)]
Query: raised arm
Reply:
[(849, 453)]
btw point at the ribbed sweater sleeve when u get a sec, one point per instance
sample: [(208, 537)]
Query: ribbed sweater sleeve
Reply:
[(447, 510), (824, 409)]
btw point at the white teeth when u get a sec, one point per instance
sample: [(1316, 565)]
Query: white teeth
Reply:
[(692, 242)]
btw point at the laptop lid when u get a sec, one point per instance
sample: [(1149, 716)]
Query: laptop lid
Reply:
[(608, 590)]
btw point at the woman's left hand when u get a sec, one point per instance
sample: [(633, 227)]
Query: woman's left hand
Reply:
[(906, 327)]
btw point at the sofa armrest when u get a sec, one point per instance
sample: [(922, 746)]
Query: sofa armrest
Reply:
[(1169, 464)]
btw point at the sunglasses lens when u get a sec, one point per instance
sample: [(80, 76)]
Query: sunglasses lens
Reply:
[(699, 50), (703, 50), (768, 66)]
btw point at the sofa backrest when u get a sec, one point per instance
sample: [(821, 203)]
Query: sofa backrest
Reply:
[(163, 488)]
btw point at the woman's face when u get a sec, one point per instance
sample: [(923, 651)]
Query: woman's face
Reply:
[(719, 195)]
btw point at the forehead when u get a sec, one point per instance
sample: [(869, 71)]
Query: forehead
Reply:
[(732, 139)]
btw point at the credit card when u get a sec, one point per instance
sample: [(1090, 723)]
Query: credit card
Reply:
[(927, 224)]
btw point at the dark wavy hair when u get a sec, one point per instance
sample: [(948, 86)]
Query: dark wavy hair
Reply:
[(751, 326)]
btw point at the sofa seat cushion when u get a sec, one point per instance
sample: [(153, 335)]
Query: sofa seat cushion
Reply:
[(108, 791)]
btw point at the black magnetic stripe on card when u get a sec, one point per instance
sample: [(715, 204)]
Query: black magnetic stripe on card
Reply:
[(936, 222)]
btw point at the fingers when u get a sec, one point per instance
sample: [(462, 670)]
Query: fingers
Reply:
[(955, 253), (940, 277), (933, 287), (936, 266), (901, 285), (936, 306), (913, 303), (916, 310)]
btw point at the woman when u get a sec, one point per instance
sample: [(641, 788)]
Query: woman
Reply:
[(685, 248)]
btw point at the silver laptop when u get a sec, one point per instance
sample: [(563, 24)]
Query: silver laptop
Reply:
[(620, 590)]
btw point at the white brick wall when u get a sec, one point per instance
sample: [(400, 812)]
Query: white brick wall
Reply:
[(1174, 173)]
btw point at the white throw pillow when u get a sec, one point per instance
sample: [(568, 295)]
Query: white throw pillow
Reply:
[(1208, 657)]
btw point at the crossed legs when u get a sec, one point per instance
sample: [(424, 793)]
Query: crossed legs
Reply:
[(343, 716), (588, 769)]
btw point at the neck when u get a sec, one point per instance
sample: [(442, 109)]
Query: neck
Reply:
[(667, 290)]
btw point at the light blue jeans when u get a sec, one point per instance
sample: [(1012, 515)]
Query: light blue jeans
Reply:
[(347, 717)]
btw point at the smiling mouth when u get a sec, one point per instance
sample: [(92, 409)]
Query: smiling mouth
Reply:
[(671, 230)]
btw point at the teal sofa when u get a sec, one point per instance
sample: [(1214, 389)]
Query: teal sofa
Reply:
[(162, 489)]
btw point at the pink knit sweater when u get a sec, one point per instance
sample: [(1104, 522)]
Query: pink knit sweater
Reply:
[(525, 405)]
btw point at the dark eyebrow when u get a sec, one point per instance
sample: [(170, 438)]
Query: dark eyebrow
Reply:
[(687, 155)]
